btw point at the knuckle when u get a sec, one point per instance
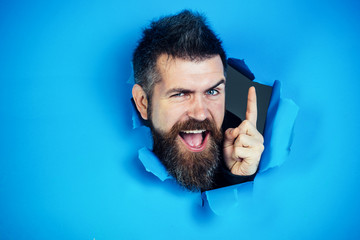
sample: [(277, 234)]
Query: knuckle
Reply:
[(240, 139), (237, 153), (246, 123), (228, 132), (262, 148), (259, 147)]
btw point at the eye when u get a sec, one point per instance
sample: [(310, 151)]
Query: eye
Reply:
[(212, 92), (180, 94)]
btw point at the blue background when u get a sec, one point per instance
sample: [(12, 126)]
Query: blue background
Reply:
[(68, 155)]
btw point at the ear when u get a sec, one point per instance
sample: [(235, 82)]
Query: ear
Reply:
[(140, 100)]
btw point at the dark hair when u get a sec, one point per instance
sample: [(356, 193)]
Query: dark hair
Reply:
[(185, 35)]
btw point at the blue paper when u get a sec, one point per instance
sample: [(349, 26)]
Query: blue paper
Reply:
[(152, 164), (224, 200), (69, 165), (240, 65), (131, 79), (278, 129)]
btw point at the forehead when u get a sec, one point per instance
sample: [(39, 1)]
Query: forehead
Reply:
[(177, 72)]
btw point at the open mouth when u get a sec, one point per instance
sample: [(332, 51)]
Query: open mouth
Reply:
[(195, 140)]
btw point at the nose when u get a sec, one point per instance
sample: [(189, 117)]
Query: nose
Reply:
[(198, 109)]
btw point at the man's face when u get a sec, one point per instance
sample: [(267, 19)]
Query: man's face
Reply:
[(188, 90), (187, 111)]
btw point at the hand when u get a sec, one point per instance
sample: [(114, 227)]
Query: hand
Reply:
[(243, 145)]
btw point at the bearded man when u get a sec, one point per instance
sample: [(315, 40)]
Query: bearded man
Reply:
[(180, 77)]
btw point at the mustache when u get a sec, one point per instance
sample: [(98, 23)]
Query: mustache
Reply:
[(193, 124)]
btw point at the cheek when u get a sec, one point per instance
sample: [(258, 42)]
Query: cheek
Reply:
[(218, 111), (164, 116)]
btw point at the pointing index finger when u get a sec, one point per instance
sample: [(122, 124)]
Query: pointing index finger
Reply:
[(251, 110)]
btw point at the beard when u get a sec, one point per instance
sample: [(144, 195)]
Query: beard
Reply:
[(192, 170)]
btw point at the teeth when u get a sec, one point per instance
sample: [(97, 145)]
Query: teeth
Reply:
[(193, 131)]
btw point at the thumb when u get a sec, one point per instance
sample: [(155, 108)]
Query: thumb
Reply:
[(230, 136)]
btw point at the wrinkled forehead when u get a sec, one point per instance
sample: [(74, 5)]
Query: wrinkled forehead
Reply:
[(178, 70)]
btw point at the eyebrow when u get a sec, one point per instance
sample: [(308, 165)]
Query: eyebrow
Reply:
[(183, 90), (222, 81)]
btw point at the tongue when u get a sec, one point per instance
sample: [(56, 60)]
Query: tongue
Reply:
[(193, 139)]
